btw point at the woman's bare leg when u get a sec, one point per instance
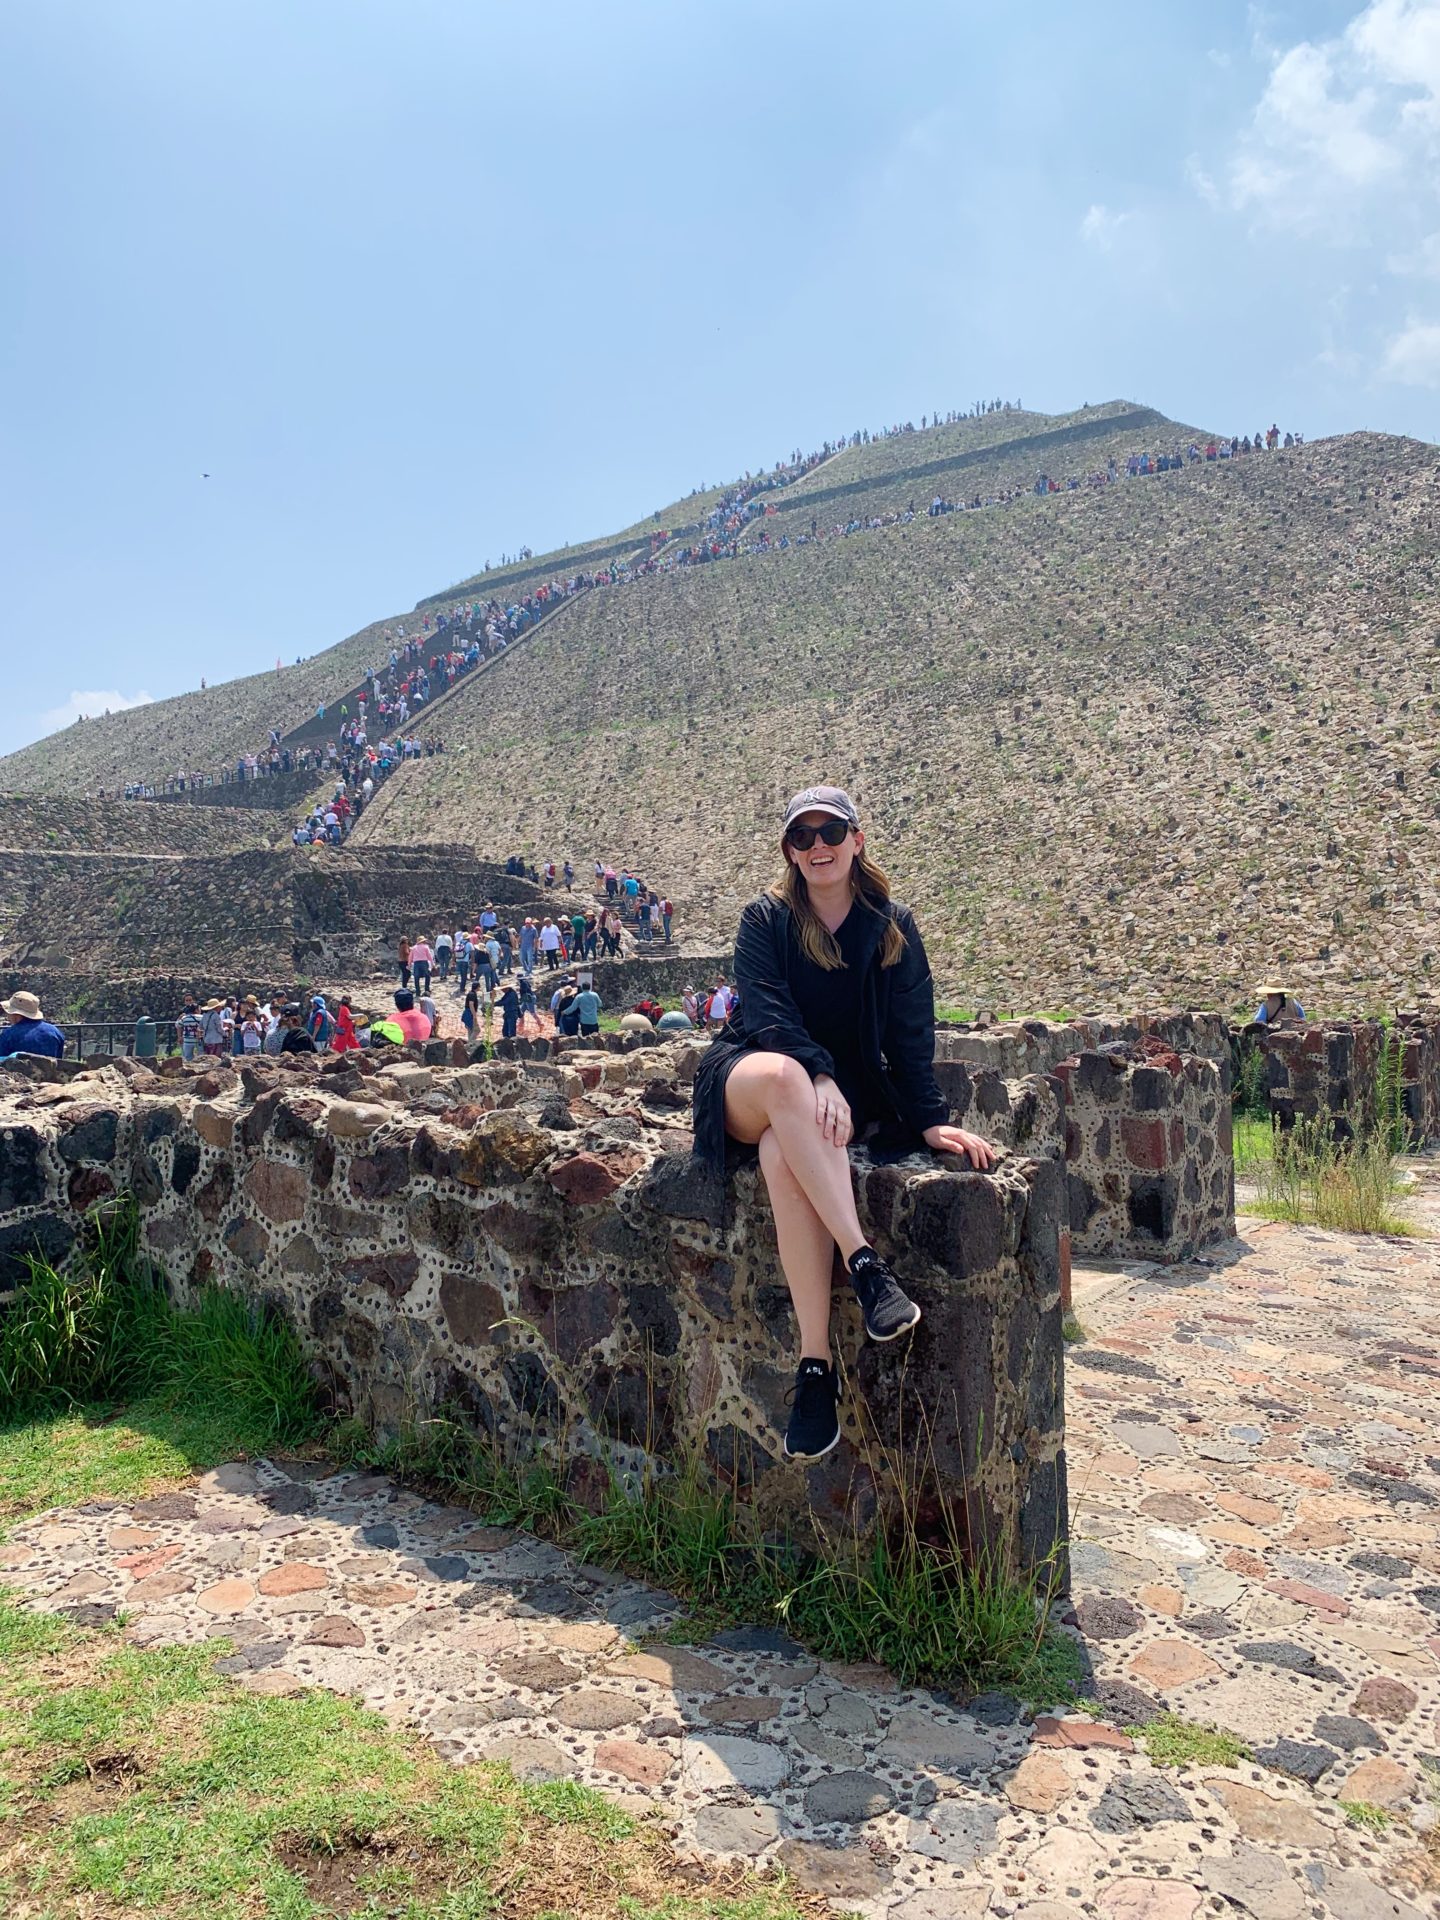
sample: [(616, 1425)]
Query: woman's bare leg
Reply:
[(807, 1250), (772, 1090)]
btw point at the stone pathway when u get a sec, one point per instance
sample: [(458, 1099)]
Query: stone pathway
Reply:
[(1255, 1545)]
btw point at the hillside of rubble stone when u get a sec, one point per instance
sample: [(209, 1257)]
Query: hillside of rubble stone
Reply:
[(1161, 737), (1164, 737), (209, 727)]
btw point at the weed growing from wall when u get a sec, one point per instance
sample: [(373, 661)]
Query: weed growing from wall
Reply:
[(102, 1330)]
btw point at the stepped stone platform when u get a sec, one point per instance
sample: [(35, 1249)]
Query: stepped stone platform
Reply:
[(112, 935), (1254, 1517)]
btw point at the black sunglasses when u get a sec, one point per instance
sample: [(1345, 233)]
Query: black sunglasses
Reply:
[(803, 838)]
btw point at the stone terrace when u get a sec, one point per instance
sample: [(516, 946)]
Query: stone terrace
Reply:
[(1255, 1518)]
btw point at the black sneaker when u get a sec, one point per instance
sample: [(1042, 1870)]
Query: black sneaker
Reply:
[(888, 1311), (814, 1428)]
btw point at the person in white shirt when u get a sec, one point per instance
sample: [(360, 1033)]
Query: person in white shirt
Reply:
[(722, 1001)]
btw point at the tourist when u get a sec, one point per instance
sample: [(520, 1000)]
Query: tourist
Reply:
[(509, 1011), (444, 949), (404, 952), (189, 1030), (833, 1041), (213, 1028), (1278, 1007), (721, 1004), (462, 960), (413, 1024), (294, 1038), (566, 1012), (525, 986), (421, 961), (346, 1039), (690, 1006), (587, 1008), (431, 1012), (550, 943), (321, 1023), (28, 1031), (252, 1028)]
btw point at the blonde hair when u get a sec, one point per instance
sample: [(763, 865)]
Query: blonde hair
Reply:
[(869, 886)]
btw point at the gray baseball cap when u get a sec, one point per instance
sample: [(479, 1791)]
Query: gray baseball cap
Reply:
[(832, 800)]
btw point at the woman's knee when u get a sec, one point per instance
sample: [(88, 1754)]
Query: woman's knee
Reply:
[(781, 1079)]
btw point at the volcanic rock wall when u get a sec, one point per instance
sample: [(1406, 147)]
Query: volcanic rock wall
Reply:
[(538, 1248)]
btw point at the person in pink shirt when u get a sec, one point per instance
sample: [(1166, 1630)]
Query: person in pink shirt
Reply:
[(411, 1021), (421, 960)]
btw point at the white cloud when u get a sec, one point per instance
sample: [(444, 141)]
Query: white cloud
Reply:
[(1422, 260), (1413, 356), (1347, 126), (1101, 227), (90, 705)]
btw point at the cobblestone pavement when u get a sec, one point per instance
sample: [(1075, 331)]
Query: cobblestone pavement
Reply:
[(1255, 1545)]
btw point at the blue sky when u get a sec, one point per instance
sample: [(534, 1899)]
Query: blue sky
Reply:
[(416, 285)]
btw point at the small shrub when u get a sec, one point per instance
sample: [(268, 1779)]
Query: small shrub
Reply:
[(1314, 1179)]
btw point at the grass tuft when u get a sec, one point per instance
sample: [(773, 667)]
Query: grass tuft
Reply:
[(1171, 1741), (1366, 1815)]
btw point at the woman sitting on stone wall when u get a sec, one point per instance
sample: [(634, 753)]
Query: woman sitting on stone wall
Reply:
[(833, 1041)]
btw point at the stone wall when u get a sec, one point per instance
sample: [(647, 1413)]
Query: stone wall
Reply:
[(275, 793), (1344, 1068), (534, 1244), (1016, 1047), (1147, 1151)]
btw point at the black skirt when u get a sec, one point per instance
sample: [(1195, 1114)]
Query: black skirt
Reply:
[(712, 1143)]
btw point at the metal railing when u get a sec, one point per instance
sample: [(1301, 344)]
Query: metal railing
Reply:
[(84, 1038)]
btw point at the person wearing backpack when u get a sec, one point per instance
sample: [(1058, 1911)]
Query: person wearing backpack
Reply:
[(321, 1024)]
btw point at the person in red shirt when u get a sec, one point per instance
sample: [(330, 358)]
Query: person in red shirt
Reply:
[(345, 1040)]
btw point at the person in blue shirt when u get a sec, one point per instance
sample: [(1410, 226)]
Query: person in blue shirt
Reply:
[(28, 1030), (1277, 1004)]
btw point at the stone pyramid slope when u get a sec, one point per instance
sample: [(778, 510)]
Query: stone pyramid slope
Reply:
[(208, 728), (1156, 738)]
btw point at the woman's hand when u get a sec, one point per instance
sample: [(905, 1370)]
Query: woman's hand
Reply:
[(956, 1140), (832, 1111)]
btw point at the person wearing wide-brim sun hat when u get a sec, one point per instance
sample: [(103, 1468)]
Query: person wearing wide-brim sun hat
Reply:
[(1278, 1006), (26, 1029), (833, 1041), (212, 1026)]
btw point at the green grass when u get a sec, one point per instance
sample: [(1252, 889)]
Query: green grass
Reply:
[(1171, 1741), (1253, 1143), (106, 1387), (139, 1781), (104, 1330), (1366, 1815)]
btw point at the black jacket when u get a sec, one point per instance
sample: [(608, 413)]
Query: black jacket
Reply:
[(897, 1025)]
